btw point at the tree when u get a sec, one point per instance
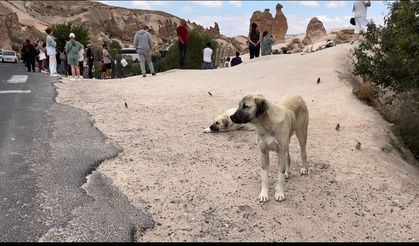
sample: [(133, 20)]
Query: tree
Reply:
[(62, 31), (196, 43), (389, 56)]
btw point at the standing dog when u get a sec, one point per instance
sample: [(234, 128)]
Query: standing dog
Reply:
[(223, 123), (275, 124)]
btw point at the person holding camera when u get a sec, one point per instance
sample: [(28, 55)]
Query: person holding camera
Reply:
[(266, 44)]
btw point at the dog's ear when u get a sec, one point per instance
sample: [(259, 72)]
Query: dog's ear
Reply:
[(226, 122), (261, 106)]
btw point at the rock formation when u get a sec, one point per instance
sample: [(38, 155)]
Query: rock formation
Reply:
[(343, 36), (277, 26), (213, 32), (315, 32)]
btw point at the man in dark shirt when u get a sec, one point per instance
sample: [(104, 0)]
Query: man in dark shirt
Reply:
[(182, 34), (236, 60), (30, 55), (90, 59)]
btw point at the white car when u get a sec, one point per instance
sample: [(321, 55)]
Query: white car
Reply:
[(1, 55), (9, 56), (130, 52)]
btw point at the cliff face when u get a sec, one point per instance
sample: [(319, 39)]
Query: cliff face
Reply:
[(102, 21), (277, 26)]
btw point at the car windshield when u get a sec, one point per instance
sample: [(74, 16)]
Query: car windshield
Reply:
[(9, 53)]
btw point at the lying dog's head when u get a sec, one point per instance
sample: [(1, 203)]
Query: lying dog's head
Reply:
[(220, 123), (251, 107)]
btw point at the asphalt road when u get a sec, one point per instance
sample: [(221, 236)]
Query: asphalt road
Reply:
[(47, 151)]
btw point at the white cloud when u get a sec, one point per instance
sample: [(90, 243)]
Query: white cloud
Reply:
[(309, 3), (229, 25), (335, 4), (210, 4), (188, 9), (236, 3), (148, 4)]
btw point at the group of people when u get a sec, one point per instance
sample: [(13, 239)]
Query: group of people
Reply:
[(69, 62)]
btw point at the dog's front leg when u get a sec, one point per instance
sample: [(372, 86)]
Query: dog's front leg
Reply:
[(280, 187), (263, 197)]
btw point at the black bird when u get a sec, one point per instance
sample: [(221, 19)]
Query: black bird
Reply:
[(337, 127), (318, 81), (210, 93), (126, 105)]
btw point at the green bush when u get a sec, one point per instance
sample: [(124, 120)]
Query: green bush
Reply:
[(196, 43), (62, 31), (389, 58)]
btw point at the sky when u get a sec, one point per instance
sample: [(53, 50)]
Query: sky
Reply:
[(233, 16)]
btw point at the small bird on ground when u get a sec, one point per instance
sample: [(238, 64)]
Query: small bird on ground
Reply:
[(337, 127), (210, 93), (126, 105), (318, 80), (358, 146)]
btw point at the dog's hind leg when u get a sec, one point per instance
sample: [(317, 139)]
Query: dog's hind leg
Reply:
[(287, 168), (301, 133), (264, 173)]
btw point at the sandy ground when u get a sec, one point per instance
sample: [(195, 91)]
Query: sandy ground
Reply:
[(204, 187)]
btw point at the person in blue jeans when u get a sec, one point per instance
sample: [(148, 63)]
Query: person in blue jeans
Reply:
[(182, 34), (254, 40)]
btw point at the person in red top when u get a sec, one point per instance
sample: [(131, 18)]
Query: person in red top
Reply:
[(182, 34)]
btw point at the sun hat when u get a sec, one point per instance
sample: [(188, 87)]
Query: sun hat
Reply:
[(72, 35)]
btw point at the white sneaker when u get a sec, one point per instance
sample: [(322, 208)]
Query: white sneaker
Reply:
[(72, 78)]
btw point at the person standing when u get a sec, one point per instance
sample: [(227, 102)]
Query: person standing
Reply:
[(90, 58), (30, 55), (143, 45), (24, 54), (72, 49), (182, 34), (107, 60), (207, 54), (42, 57), (254, 40), (81, 61), (360, 15), (236, 60), (266, 44), (51, 44)]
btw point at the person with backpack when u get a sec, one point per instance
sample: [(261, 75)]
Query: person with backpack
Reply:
[(254, 39)]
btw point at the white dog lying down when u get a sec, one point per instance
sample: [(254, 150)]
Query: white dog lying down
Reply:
[(318, 46), (223, 123)]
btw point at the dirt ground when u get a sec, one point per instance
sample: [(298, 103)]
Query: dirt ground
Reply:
[(204, 187)]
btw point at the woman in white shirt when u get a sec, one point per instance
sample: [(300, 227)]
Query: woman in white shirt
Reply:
[(81, 61)]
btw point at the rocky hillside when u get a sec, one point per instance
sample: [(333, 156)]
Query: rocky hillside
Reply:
[(28, 19)]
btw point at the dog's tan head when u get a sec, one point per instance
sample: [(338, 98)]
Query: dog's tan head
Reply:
[(220, 123), (250, 108)]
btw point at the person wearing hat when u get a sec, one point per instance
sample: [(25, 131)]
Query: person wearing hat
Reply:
[(72, 49), (50, 45)]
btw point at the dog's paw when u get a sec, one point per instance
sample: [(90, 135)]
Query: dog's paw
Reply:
[(279, 196), (207, 130), (304, 171), (263, 197)]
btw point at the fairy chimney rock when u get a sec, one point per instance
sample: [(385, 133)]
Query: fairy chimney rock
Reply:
[(315, 32), (277, 26)]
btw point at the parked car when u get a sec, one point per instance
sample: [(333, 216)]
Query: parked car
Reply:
[(1, 55), (9, 56), (130, 52)]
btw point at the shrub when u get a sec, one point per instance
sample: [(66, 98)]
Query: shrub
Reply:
[(196, 43), (61, 32), (389, 58)]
